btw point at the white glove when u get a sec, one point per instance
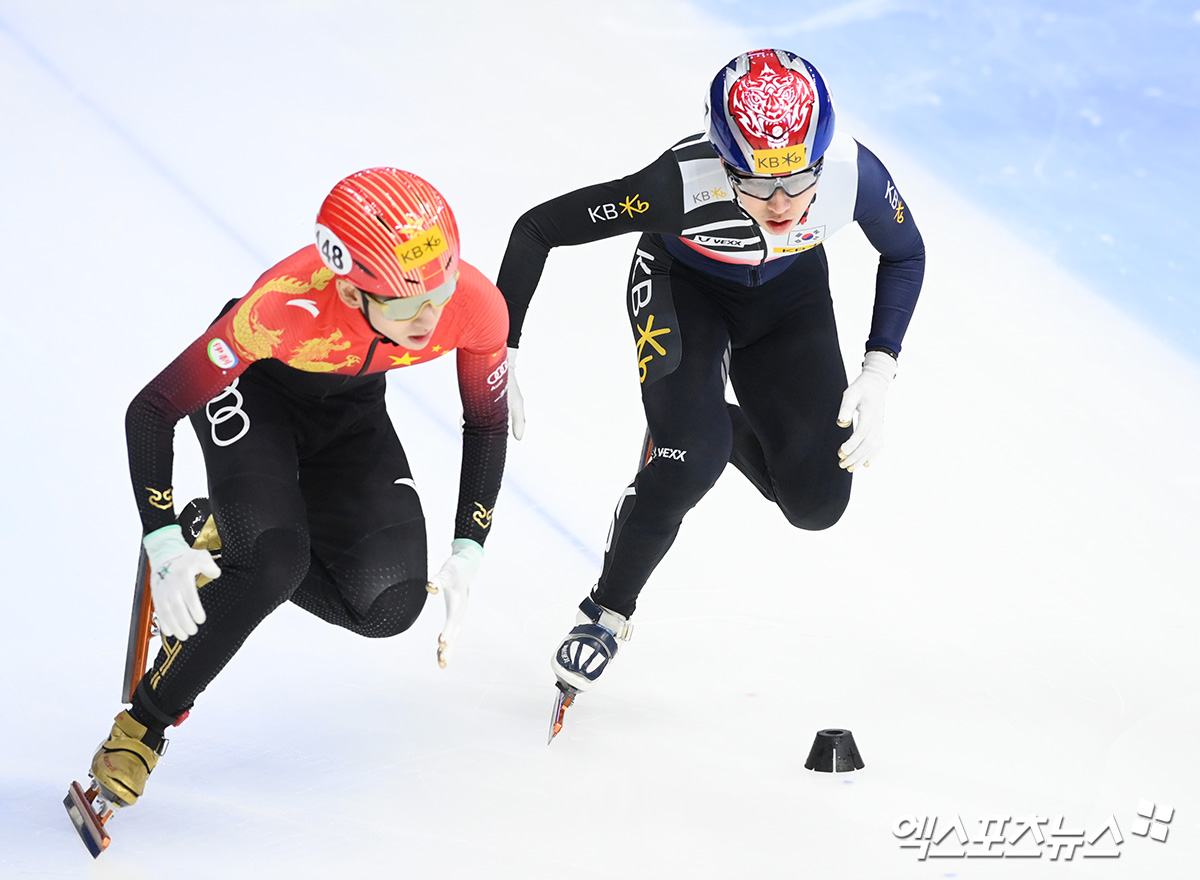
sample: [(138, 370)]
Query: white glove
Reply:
[(516, 403), (453, 581), (862, 404), (173, 570)]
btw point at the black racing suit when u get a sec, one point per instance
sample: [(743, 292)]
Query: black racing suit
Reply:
[(712, 295)]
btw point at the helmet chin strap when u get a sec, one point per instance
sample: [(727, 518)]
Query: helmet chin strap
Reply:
[(367, 317), (804, 217)]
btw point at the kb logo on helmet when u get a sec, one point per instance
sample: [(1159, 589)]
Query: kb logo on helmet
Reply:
[(420, 250), (781, 160)]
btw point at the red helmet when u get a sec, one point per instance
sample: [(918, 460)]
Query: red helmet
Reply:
[(389, 233)]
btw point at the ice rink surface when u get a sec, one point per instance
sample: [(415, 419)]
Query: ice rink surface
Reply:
[(1005, 617)]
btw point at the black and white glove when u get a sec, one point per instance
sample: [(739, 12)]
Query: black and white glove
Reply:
[(174, 567)]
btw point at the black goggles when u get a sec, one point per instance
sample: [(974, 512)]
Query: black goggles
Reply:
[(764, 187)]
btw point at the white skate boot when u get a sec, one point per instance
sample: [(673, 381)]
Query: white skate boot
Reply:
[(585, 653), (587, 650)]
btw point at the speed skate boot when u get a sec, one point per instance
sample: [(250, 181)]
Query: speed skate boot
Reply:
[(587, 650), (124, 761), (584, 655)]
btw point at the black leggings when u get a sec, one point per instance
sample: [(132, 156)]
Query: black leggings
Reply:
[(314, 502), (785, 364)]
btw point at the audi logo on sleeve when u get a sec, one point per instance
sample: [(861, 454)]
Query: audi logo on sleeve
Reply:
[(221, 415)]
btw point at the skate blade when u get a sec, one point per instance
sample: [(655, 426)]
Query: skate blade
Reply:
[(562, 701), (88, 824)]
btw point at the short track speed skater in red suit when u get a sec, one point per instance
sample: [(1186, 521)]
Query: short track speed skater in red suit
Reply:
[(311, 498)]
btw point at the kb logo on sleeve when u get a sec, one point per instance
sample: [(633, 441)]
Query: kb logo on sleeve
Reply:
[(892, 196), (611, 211)]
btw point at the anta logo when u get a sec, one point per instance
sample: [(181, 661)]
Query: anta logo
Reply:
[(611, 211), (483, 516), (892, 196), (309, 305), (160, 499), (497, 375), (672, 454)]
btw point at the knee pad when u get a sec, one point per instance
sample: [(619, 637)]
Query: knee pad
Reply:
[(264, 570), (394, 611), (683, 474), (815, 513)]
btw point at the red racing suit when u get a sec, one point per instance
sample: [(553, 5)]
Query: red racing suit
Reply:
[(294, 315)]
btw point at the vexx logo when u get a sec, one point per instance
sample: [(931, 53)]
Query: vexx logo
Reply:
[(671, 454)]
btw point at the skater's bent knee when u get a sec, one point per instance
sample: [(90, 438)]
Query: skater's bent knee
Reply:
[(815, 517), (280, 557), (687, 476), (396, 609)]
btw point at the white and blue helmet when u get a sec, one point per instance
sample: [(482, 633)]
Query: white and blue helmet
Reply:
[(768, 112)]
